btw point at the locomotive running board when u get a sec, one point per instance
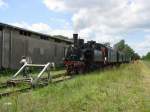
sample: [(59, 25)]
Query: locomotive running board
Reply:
[(33, 81)]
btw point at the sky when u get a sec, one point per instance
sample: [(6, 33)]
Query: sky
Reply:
[(99, 20)]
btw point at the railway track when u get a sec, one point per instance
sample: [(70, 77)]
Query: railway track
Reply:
[(3, 85), (55, 79), (4, 94)]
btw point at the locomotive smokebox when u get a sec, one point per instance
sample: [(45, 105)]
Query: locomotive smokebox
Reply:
[(75, 39)]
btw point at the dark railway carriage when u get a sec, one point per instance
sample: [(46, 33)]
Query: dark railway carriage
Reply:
[(120, 57), (112, 56), (40, 48), (127, 59)]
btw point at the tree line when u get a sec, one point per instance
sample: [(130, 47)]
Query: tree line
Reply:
[(123, 47), (146, 57)]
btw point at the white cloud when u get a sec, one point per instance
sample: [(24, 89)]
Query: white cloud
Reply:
[(144, 46), (40, 27), (65, 32), (3, 3), (55, 4), (44, 28), (105, 20)]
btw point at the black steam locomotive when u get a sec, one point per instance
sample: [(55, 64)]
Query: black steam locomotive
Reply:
[(84, 57)]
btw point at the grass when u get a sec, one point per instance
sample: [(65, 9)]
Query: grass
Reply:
[(123, 89), (7, 75)]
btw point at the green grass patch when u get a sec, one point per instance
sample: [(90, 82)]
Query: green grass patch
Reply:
[(112, 90)]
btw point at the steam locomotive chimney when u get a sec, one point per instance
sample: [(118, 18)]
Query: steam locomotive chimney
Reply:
[(75, 38)]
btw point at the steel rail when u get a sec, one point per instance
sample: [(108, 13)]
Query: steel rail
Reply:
[(55, 80)]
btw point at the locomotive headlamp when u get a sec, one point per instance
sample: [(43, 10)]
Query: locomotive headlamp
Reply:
[(81, 58)]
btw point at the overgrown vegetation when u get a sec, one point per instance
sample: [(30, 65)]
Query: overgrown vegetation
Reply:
[(146, 57), (123, 47), (123, 89)]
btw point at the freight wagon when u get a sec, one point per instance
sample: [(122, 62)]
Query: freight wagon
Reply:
[(40, 48)]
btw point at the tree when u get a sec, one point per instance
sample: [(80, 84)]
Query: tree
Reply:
[(128, 50), (136, 56), (147, 56), (122, 47)]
